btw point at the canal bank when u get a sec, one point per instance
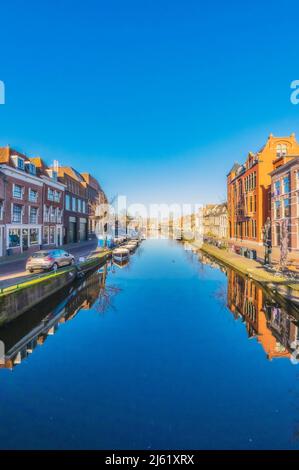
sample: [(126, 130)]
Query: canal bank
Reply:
[(253, 269), (17, 299)]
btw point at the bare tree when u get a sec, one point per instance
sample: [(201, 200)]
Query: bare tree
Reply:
[(105, 299), (284, 242)]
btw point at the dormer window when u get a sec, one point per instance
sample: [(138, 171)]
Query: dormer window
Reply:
[(30, 168), (52, 174), (18, 162), (281, 150)]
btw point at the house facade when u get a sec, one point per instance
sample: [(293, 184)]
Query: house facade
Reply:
[(95, 199), (285, 203), (53, 204), (249, 188), (75, 218), (214, 220), (21, 208)]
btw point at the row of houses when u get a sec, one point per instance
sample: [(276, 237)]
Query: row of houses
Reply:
[(44, 206), (213, 220), (265, 188)]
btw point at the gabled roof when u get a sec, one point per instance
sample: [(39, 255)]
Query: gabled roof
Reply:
[(234, 168), (62, 170), (6, 152)]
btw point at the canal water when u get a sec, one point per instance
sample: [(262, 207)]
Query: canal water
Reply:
[(168, 352)]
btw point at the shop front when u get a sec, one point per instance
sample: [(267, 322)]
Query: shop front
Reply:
[(23, 238), (52, 235)]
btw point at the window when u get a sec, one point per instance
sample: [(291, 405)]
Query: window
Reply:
[(46, 236), (83, 206), (30, 168), (53, 174), (277, 188), (59, 215), (281, 150), (46, 214), (16, 213), (286, 184), (1, 210), (32, 195), (67, 202), (277, 210), (254, 229), (33, 215), (17, 191), (34, 232), (57, 196), (73, 203), (50, 194), (277, 234), (284, 150), (286, 205), (18, 162), (79, 205), (52, 236), (14, 237), (52, 214)]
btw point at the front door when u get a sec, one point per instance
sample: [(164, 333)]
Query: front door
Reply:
[(72, 232)]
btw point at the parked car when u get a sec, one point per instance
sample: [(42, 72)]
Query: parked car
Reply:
[(49, 259)]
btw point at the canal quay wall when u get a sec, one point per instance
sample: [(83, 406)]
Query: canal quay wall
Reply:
[(277, 283), (18, 299)]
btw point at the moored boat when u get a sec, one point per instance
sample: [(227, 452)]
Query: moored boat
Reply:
[(121, 264), (130, 246), (121, 254)]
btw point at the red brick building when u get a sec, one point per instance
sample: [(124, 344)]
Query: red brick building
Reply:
[(95, 197), (285, 202), (75, 220), (22, 203), (249, 189), (53, 204)]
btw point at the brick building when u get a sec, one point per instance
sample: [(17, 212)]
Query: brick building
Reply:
[(53, 204), (22, 192), (285, 202), (75, 218), (95, 197), (249, 188)]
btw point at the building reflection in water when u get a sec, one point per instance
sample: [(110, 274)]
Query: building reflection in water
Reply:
[(271, 321), (23, 335)]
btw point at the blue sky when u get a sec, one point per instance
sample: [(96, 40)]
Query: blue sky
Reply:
[(155, 98)]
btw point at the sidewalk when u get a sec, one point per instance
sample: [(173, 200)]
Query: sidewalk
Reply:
[(4, 260), (293, 258)]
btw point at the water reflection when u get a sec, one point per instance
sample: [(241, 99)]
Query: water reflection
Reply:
[(272, 321), (23, 335)]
